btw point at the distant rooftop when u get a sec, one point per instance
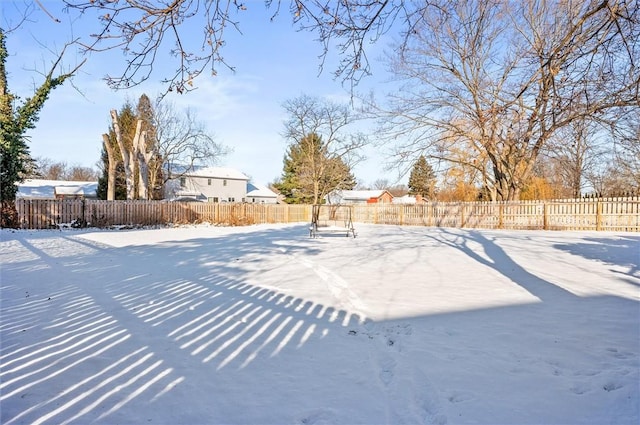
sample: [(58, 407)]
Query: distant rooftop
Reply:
[(215, 172), (47, 189)]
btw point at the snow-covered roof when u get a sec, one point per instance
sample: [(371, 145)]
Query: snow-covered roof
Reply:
[(47, 189), (406, 199), (218, 172), (257, 191), (362, 195)]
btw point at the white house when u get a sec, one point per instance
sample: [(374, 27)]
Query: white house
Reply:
[(57, 189), (260, 194), (210, 184)]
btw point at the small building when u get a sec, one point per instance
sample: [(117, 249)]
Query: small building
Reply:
[(260, 194), (360, 197), (57, 189), (210, 184)]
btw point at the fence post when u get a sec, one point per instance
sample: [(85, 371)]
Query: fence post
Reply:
[(598, 215), (545, 216)]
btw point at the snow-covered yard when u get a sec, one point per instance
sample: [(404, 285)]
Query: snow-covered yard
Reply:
[(264, 325)]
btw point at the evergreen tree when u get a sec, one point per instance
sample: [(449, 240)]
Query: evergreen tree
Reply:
[(422, 179), (15, 160), (310, 172)]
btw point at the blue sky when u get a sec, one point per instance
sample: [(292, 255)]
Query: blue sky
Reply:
[(243, 110)]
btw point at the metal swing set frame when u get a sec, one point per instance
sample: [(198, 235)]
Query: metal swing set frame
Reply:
[(332, 219)]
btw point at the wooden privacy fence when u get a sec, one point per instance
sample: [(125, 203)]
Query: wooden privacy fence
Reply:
[(609, 214), (42, 214)]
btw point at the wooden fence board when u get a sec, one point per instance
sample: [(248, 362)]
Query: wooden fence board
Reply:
[(607, 214)]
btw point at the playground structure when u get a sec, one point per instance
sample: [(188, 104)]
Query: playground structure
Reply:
[(331, 219)]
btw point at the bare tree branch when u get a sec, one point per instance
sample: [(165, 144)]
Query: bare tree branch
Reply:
[(500, 79)]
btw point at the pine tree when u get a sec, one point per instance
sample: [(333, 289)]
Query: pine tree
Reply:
[(310, 172), (422, 179)]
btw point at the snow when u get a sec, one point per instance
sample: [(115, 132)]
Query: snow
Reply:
[(264, 325), (48, 189)]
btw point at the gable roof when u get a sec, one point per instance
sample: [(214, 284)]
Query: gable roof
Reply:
[(406, 199), (361, 195), (218, 172), (257, 191), (47, 189)]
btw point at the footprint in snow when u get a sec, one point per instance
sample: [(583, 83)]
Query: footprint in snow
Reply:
[(618, 354), (318, 417), (580, 389), (612, 386), (387, 367), (460, 396)]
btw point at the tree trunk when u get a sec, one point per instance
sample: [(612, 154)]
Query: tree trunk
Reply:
[(127, 159), (507, 186), (143, 158), (111, 170)]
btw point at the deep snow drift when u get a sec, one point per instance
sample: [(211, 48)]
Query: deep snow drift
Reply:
[(263, 325)]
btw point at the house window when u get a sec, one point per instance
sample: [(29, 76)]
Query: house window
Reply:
[(232, 199), (209, 182), (224, 182), (215, 199), (212, 199), (183, 181)]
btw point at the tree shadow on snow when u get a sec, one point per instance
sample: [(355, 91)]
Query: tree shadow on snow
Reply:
[(497, 259), (623, 251)]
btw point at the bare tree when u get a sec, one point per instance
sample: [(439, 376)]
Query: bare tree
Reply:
[(626, 135), (46, 168), (82, 173), (504, 77), (182, 143), (574, 150), (321, 130), (381, 184), (50, 170)]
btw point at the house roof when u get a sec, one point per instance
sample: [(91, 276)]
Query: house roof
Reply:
[(361, 195), (257, 191), (47, 189), (406, 199), (218, 172)]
